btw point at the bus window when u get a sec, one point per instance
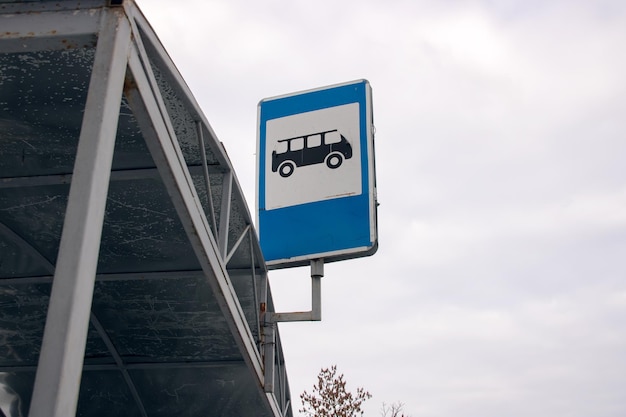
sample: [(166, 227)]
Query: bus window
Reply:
[(314, 141), (332, 137), (297, 144), (282, 146)]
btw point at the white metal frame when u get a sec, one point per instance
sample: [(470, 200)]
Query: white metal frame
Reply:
[(122, 66), (55, 393)]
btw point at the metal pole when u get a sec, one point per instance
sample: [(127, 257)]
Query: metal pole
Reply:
[(227, 189), (57, 382), (270, 356), (207, 177), (317, 272)]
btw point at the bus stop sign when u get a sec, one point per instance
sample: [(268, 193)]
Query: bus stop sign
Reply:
[(316, 190)]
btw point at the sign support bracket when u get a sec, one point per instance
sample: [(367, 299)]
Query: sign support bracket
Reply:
[(317, 272)]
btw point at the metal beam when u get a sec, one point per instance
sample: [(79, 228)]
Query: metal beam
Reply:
[(243, 235), (26, 6), (152, 118), (57, 382), (35, 31), (227, 190), (207, 177), (139, 366), (34, 253), (118, 175), (163, 61), (269, 358), (130, 276), (255, 291), (26, 247), (119, 364)]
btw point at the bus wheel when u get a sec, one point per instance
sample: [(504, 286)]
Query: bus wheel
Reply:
[(334, 160), (286, 169)]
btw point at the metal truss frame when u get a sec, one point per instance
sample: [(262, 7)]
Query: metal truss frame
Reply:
[(122, 66)]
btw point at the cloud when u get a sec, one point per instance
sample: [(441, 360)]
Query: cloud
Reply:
[(498, 286)]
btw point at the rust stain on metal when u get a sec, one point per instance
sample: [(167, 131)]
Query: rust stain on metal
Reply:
[(129, 84), (69, 45)]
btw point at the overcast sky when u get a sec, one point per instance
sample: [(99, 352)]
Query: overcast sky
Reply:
[(499, 288)]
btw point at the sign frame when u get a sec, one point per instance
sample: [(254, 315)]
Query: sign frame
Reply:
[(336, 218)]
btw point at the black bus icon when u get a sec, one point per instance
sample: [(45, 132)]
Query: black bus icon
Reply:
[(329, 147)]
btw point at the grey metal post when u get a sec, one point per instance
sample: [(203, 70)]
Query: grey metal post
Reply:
[(270, 356), (317, 272), (57, 382), (227, 189), (207, 177)]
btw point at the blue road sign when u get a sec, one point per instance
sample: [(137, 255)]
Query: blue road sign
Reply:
[(316, 195)]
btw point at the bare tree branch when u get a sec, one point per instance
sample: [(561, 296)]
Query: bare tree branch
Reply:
[(330, 398), (393, 410)]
